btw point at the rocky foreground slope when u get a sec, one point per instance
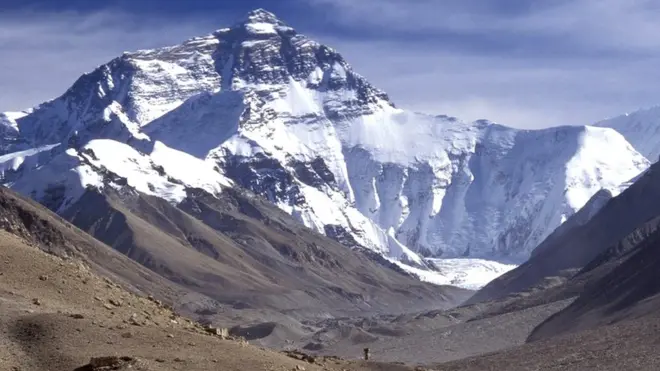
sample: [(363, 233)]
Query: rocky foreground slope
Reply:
[(57, 314)]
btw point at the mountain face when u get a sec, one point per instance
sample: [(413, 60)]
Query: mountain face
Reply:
[(586, 235), (262, 107)]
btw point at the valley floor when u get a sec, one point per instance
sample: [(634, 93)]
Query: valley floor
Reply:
[(444, 336)]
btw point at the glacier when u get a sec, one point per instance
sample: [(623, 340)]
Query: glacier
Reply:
[(260, 106), (471, 274)]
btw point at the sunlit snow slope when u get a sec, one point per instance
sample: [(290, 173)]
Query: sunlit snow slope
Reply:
[(641, 128), (260, 106)]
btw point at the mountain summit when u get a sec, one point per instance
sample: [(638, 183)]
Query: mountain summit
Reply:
[(262, 107), (641, 128), (261, 16)]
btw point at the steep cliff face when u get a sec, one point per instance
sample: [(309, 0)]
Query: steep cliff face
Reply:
[(260, 106), (617, 223)]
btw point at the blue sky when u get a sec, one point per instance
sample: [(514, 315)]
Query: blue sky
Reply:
[(523, 63)]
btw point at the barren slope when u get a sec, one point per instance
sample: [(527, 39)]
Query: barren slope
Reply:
[(628, 291), (629, 345), (57, 314), (240, 252)]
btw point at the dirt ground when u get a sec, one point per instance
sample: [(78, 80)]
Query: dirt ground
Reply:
[(56, 315), (630, 345)]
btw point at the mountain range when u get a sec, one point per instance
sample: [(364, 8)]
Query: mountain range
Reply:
[(264, 108), (249, 186)]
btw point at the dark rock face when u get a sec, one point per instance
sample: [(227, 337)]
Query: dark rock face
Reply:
[(315, 173), (107, 363), (341, 235), (265, 176), (53, 196), (237, 247), (17, 217)]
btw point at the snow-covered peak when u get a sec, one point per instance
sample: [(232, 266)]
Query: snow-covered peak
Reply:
[(641, 128), (259, 24), (8, 123), (260, 16), (257, 58), (13, 115), (262, 107), (9, 135)]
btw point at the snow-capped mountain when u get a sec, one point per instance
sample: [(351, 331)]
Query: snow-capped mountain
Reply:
[(263, 107), (641, 128)]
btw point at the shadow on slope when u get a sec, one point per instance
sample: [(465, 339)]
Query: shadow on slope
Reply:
[(31, 221), (629, 290), (246, 254)]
